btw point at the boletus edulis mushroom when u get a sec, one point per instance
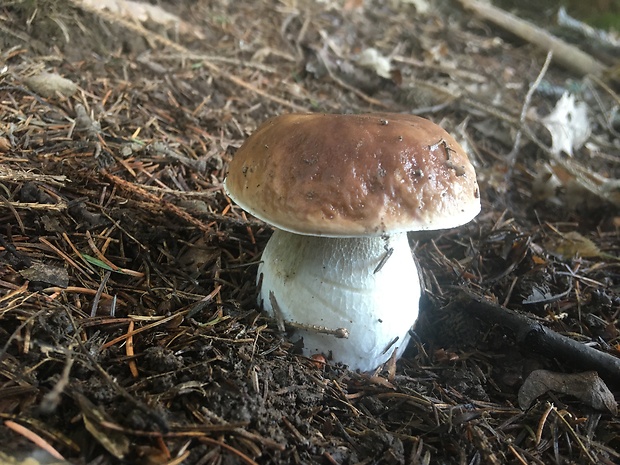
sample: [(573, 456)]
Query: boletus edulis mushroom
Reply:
[(341, 192)]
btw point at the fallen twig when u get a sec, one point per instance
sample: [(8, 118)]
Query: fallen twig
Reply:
[(34, 438), (57, 207), (536, 338), (512, 156), (8, 174), (179, 212), (564, 54)]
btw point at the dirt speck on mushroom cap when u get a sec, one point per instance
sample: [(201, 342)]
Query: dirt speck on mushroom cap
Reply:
[(347, 175)]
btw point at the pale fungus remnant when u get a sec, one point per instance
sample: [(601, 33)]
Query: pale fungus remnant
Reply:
[(341, 192)]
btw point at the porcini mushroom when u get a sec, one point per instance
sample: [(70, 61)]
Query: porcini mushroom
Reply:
[(341, 192)]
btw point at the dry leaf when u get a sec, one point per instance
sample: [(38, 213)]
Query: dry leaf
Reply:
[(568, 124), (137, 11), (371, 58), (422, 7), (48, 274), (587, 387), (572, 244), (115, 442), (566, 181), (5, 144), (143, 12), (50, 84)]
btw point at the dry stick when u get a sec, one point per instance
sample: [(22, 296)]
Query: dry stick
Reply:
[(536, 338), (230, 61), (512, 156), (577, 437), (100, 289), (129, 351), (77, 253), (15, 214), (129, 334), (76, 290), (606, 88), (58, 207), (85, 271), (112, 266), (541, 423), (34, 438), (518, 456), (127, 186), (7, 174), (565, 54)]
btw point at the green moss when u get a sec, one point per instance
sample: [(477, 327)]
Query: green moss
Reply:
[(608, 21), (604, 14)]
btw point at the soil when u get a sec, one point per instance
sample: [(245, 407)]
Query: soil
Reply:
[(129, 329)]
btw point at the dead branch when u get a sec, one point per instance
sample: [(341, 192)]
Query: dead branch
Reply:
[(8, 174), (129, 187), (58, 207), (532, 336), (564, 54)]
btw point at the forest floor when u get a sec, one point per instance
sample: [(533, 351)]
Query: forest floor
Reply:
[(129, 329)]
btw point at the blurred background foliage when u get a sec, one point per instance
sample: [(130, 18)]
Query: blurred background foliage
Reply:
[(603, 14)]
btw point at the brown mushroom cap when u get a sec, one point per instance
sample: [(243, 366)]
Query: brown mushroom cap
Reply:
[(353, 175)]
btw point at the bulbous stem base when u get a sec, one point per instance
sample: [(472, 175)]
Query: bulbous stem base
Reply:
[(368, 286)]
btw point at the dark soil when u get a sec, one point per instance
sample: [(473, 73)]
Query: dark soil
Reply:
[(129, 329)]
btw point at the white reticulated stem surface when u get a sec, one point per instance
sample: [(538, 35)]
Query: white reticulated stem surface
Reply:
[(334, 283)]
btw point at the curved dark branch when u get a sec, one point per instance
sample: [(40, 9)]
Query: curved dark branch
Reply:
[(531, 336)]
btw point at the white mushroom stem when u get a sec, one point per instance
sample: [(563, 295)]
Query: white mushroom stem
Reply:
[(350, 283)]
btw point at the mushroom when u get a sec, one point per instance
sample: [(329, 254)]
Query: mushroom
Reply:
[(341, 192)]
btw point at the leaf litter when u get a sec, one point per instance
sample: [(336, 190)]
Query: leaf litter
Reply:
[(129, 329)]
